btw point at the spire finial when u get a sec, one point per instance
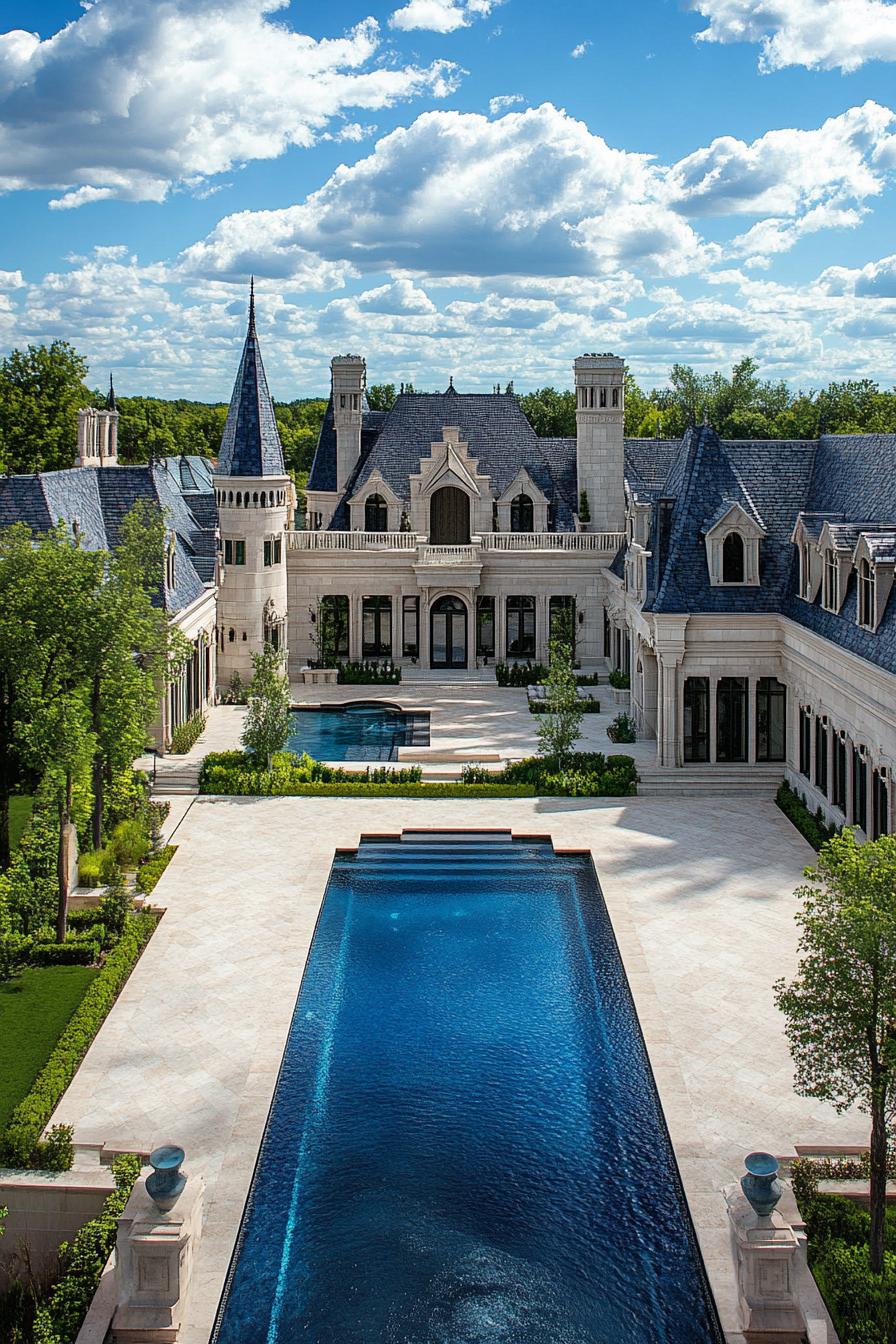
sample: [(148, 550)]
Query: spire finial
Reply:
[(451, 380), (110, 399), (252, 306)]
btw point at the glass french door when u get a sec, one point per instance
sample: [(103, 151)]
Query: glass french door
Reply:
[(448, 641)]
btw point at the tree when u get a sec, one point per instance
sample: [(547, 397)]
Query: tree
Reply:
[(127, 647), (41, 391), (560, 725), (381, 396), (840, 1010), (551, 414), (267, 718)]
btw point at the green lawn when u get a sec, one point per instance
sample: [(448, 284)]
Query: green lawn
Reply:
[(19, 816), (34, 1008)]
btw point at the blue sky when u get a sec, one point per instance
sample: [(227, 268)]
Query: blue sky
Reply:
[(465, 187)]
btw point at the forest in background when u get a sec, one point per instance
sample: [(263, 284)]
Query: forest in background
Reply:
[(42, 388)]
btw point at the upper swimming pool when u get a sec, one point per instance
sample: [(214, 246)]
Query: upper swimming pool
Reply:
[(465, 1144), (363, 730)]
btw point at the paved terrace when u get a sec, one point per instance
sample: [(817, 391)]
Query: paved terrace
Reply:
[(701, 902)]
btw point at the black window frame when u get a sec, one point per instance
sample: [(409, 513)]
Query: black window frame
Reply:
[(821, 772), (734, 558), (379, 608), (695, 726), (880, 804), (805, 741), (838, 773), (337, 647), (410, 613), (859, 811), (770, 692), (485, 621), (732, 704), (376, 514), (518, 609), (522, 512)]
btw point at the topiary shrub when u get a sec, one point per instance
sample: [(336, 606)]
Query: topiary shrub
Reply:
[(622, 729), (619, 680), (520, 674)]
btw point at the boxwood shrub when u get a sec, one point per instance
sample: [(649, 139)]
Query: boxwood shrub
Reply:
[(73, 952), (186, 734), (520, 674), (812, 827), (152, 868), (82, 1261), (368, 673), (20, 1144)]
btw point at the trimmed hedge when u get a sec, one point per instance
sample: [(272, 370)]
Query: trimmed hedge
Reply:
[(813, 828), (368, 673), (619, 680), (622, 729), (152, 868), (59, 1320), (520, 674), (186, 734), (235, 772), (73, 952), (20, 1145)]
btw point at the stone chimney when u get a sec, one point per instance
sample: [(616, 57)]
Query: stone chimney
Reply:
[(600, 421), (349, 380), (97, 438)]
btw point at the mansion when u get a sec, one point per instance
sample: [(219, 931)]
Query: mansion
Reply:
[(744, 586)]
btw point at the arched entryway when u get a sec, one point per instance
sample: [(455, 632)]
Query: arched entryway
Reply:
[(449, 517), (448, 633)]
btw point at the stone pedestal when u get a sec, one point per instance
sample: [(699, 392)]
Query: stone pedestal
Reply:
[(155, 1253), (769, 1263)]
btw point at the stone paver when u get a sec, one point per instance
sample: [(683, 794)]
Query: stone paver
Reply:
[(701, 901)]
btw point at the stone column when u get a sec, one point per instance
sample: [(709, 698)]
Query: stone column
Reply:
[(769, 1263), (752, 720), (501, 628), (542, 633), (670, 647), (354, 628)]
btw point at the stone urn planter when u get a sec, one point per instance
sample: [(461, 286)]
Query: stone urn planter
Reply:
[(761, 1186)]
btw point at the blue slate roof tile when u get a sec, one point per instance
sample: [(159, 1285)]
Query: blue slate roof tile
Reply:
[(250, 444)]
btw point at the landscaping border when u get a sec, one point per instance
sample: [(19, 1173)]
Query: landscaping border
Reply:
[(20, 1144)]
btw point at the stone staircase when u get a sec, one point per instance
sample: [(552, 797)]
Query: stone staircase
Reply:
[(174, 775), (427, 676), (760, 781)]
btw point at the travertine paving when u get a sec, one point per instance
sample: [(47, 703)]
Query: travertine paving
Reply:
[(700, 894)]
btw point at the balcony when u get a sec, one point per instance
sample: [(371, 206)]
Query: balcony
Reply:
[(441, 566), (592, 543)]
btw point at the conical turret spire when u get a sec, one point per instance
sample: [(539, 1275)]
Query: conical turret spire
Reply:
[(110, 399), (250, 444)]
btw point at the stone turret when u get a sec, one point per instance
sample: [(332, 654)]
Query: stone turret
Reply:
[(349, 381), (254, 495), (98, 434), (600, 422)]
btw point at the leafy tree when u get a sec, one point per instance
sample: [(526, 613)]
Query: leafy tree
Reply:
[(41, 391), (551, 414), (267, 718), (127, 645), (381, 396), (840, 1010), (560, 725)]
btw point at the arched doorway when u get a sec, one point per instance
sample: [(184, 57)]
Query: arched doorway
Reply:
[(449, 517), (448, 633)]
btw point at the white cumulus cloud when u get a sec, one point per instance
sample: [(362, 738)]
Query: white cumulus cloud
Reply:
[(138, 95), (579, 50), (440, 16), (819, 34), (503, 102)]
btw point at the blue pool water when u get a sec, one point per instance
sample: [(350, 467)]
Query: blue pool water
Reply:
[(356, 732), (465, 1144)]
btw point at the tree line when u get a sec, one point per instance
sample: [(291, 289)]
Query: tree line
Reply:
[(43, 386)]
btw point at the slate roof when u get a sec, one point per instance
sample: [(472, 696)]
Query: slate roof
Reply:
[(843, 480), (250, 444), (95, 501), (500, 438)]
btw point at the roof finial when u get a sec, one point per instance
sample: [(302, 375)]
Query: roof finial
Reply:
[(252, 306), (110, 399), (451, 380)]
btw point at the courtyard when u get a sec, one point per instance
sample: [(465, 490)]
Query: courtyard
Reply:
[(701, 904)]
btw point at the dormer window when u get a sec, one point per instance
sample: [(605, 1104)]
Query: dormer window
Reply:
[(867, 604), (830, 585), (805, 572), (732, 546), (733, 558)]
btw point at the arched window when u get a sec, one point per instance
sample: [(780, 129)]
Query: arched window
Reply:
[(255, 499), (733, 558), (866, 594), (264, 499), (239, 498), (521, 514), (231, 634), (376, 514)]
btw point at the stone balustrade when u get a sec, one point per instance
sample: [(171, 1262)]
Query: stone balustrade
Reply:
[(600, 543)]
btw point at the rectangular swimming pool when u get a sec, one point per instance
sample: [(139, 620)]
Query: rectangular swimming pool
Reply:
[(358, 731), (465, 1144)]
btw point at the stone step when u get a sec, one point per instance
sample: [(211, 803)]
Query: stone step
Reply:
[(759, 780)]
